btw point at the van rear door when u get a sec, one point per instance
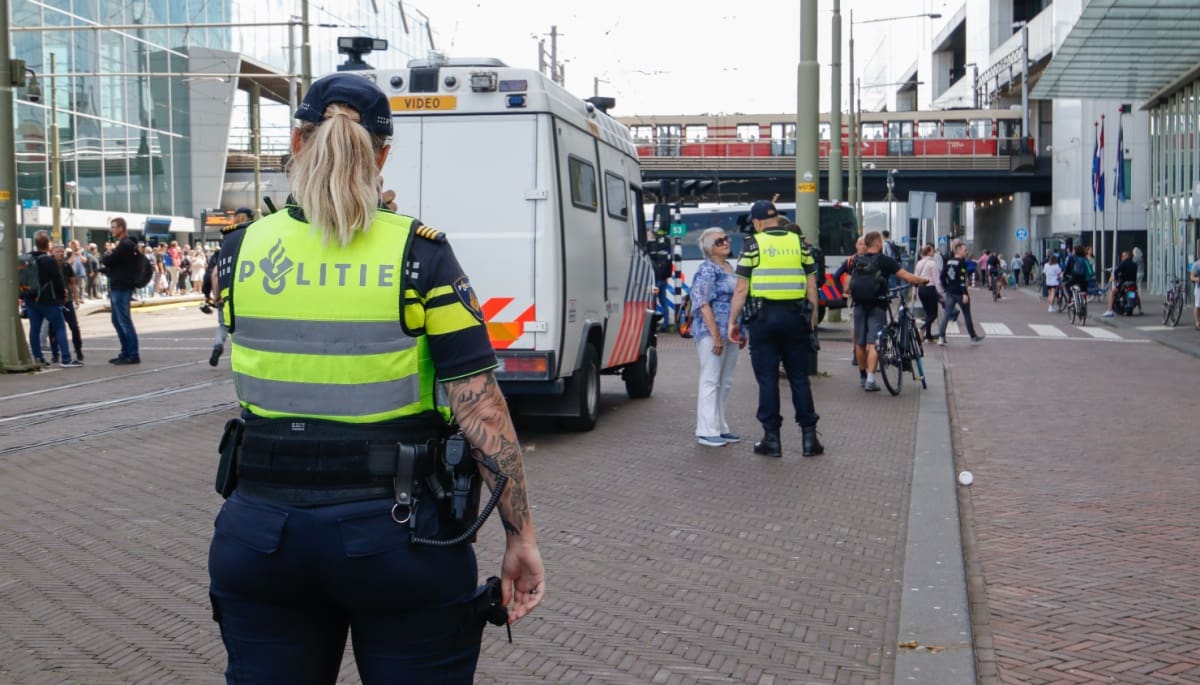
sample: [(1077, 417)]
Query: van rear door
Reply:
[(471, 176)]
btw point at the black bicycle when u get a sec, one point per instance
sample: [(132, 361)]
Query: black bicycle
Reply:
[(1173, 305), (899, 345)]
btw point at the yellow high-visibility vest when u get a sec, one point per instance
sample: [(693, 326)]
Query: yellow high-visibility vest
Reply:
[(780, 273), (318, 330)]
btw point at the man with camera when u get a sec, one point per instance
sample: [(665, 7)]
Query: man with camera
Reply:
[(212, 292)]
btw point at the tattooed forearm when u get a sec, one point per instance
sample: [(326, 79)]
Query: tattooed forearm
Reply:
[(482, 415)]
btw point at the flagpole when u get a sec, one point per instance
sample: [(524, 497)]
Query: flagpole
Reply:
[(1117, 178), (1095, 138), (1100, 259)]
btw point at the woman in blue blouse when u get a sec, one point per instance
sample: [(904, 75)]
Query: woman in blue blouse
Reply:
[(712, 294)]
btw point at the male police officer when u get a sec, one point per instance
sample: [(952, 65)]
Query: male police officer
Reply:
[(779, 275), (212, 291)]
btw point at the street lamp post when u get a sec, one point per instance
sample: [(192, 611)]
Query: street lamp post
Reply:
[(72, 193), (891, 185), (855, 191), (55, 163)]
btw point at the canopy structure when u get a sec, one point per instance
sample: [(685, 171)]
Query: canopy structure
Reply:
[(1138, 50)]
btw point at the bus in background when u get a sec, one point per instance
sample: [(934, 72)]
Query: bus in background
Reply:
[(838, 231)]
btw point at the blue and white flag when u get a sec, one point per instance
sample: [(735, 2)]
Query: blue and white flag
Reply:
[(1098, 171)]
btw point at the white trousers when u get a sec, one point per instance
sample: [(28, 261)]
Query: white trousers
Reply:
[(716, 380)]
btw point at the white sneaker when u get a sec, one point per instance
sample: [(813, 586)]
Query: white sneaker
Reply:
[(711, 440), (1108, 315), (1052, 309), (941, 341)]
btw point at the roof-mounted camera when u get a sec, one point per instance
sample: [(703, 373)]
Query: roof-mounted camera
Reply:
[(356, 47)]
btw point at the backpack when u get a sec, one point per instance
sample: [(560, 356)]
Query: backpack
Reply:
[(1080, 269), (868, 282), (685, 317), (145, 273), (29, 281)]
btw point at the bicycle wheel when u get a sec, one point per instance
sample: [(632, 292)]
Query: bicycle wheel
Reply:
[(1168, 305), (1082, 310), (1176, 310), (891, 358)]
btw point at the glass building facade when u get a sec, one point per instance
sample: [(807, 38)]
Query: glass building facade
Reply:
[(1173, 240), (152, 94)]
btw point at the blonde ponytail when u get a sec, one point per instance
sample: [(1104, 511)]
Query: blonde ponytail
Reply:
[(335, 174)]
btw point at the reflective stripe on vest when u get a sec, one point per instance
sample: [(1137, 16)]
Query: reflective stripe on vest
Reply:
[(780, 273), (318, 330)]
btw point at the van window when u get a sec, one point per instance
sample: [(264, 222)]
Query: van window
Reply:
[(615, 197), (583, 183)]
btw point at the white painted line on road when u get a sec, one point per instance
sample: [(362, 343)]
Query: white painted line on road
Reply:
[(1117, 339), (1156, 328), (1097, 332), (1047, 331), (996, 329)]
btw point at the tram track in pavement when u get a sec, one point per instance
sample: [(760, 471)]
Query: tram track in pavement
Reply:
[(119, 410)]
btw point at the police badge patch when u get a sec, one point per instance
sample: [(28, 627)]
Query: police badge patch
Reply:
[(466, 295)]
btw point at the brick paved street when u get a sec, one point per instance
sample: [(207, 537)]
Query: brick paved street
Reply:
[(667, 562), (1083, 527)]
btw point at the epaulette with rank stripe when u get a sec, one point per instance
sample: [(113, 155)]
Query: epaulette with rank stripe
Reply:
[(431, 234)]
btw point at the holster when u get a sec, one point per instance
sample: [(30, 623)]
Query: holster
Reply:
[(753, 309), (229, 448)]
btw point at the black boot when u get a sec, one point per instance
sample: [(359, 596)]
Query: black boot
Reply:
[(79, 354), (216, 355), (769, 445), (811, 446)]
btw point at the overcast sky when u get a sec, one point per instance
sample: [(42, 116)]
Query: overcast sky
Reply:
[(672, 57)]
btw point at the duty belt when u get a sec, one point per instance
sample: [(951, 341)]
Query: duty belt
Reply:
[(330, 463)]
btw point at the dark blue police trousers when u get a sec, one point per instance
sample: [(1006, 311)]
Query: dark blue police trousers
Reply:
[(287, 583), (778, 334)]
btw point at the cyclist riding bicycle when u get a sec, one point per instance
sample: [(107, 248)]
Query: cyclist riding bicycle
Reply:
[(994, 276)]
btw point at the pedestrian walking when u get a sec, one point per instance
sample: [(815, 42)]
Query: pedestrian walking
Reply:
[(327, 529), (1051, 273), (869, 283), (70, 303), (212, 290), (44, 303), (930, 293), (1140, 260), (123, 266), (954, 284), (777, 285), (712, 299)]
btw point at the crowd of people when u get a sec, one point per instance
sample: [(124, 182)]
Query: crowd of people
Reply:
[(71, 274), (943, 282)]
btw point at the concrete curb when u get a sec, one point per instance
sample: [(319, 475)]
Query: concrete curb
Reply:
[(1190, 348), (936, 645)]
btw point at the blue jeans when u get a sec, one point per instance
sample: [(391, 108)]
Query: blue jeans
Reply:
[(288, 583), (122, 320), (51, 313)]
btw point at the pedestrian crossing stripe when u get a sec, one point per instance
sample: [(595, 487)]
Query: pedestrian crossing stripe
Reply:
[(1102, 333), (1041, 332), (1047, 331), (1156, 328)]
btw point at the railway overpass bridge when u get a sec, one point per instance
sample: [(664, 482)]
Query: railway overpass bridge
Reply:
[(953, 178)]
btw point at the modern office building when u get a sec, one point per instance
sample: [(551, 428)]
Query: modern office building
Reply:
[(144, 101), (1108, 88)]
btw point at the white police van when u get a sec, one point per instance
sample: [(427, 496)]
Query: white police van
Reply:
[(540, 195)]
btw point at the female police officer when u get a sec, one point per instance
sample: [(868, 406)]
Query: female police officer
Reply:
[(345, 317)]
